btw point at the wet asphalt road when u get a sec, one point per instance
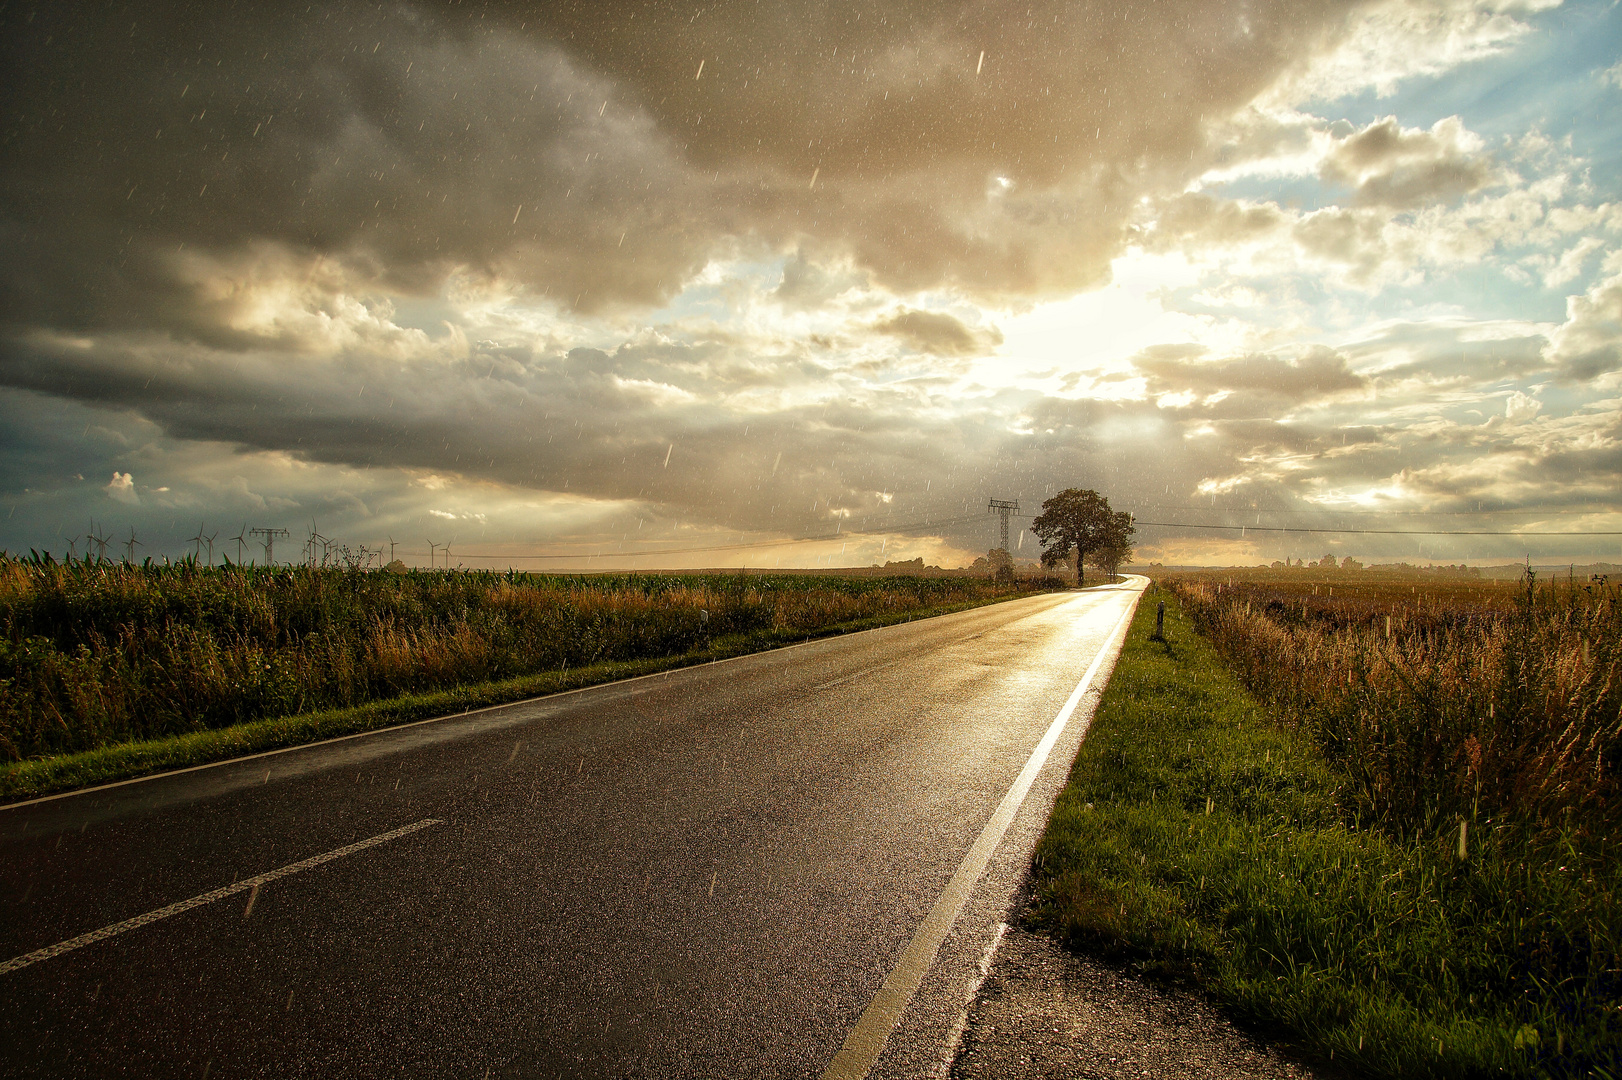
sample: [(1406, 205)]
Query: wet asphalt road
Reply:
[(704, 873)]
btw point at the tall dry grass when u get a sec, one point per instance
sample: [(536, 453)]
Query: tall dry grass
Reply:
[(1470, 704), (97, 653)]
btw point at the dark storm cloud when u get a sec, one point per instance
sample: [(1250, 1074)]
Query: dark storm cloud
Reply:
[(218, 219), (647, 424), (401, 144), (575, 150), (640, 423)]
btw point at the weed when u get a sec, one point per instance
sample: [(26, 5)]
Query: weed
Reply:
[(96, 655), (1202, 838)]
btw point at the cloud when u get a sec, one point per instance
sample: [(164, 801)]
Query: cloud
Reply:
[(574, 155), (1519, 406), (121, 488), (1197, 220), (807, 285), (426, 257), (1389, 165), (1569, 266), (938, 333), (1380, 45), (1589, 343), (1315, 374)]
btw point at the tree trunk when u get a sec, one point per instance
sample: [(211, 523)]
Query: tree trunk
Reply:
[(1079, 556)]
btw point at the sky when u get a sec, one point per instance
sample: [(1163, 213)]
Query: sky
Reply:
[(626, 284)]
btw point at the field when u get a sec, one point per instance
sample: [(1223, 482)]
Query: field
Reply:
[(1443, 700), (1376, 816), (100, 655)]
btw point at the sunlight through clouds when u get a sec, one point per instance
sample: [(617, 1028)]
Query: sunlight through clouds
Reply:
[(525, 278)]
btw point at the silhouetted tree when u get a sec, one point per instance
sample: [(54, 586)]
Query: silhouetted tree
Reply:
[(1080, 521)]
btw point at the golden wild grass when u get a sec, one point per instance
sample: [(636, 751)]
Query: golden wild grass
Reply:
[(1437, 700), (98, 654), (1397, 849)]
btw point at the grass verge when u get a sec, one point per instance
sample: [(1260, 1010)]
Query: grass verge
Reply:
[(125, 761), (1201, 841)]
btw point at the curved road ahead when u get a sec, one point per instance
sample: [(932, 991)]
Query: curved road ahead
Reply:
[(712, 872)]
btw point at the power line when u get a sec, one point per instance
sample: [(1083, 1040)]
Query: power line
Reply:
[(1380, 513), (824, 538), (1375, 532)]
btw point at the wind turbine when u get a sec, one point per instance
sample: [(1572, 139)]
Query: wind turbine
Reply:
[(317, 538), (130, 545), (431, 547), (100, 541), (242, 541), (197, 544), (209, 540)]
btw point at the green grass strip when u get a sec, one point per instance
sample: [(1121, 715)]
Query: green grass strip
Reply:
[(1199, 841), (125, 761)]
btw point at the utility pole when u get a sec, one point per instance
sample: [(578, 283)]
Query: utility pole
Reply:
[(1002, 508), (270, 536)]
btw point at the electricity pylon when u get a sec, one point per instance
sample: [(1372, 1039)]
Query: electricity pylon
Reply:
[(1002, 508), (270, 536)]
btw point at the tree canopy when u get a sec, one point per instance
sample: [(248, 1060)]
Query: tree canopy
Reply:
[(1080, 522)]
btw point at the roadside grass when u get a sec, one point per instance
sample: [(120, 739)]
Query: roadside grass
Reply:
[(1202, 840), (131, 759)]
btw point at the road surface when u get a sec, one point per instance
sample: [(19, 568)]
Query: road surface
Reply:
[(732, 870)]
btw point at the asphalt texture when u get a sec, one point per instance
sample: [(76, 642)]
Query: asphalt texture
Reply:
[(703, 873), (1043, 1012)]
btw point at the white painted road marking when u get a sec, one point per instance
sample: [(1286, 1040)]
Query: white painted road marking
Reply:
[(866, 1040), (253, 883), (954, 1038)]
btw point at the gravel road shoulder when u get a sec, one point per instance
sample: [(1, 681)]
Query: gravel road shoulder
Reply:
[(1044, 1012)]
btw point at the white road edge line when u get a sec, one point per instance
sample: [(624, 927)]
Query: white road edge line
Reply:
[(19, 962), (866, 1040), (954, 1038)]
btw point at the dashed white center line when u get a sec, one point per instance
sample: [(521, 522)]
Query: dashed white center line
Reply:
[(18, 962)]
